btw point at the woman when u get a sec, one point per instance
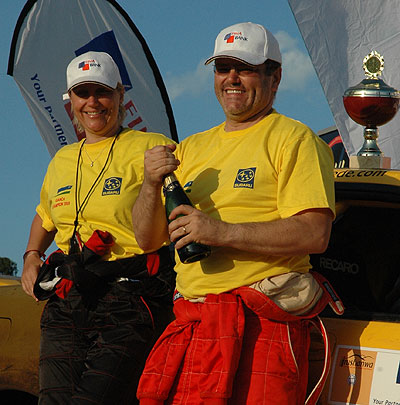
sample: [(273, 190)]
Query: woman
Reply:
[(109, 300)]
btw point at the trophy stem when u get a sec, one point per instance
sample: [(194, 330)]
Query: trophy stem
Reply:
[(370, 146)]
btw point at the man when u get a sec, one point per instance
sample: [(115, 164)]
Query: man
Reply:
[(263, 195)]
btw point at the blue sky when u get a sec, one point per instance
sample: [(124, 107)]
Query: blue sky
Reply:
[(180, 34)]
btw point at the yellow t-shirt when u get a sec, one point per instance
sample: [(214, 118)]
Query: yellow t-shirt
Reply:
[(269, 171), (110, 204)]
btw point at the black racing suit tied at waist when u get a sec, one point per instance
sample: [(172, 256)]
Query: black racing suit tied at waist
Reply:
[(91, 275)]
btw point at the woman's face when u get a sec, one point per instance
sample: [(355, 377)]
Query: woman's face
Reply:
[(96, 108)]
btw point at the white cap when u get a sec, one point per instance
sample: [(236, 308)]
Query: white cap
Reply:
[(247, 42), (92, 67)]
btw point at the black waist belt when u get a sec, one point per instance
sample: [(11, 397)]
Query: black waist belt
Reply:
[(132, 267), (89, 273)]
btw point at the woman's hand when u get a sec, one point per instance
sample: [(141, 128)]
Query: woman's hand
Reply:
[(30, 272), (39, 241)]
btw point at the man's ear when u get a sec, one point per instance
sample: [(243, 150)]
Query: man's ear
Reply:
[(276, 77)]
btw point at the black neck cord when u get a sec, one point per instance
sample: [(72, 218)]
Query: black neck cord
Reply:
[(74, 245)]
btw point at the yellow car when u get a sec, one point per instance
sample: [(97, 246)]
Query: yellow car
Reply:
[(19, 343), (362, 263)]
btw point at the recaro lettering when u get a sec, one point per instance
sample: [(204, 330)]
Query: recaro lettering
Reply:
[(339, 265)]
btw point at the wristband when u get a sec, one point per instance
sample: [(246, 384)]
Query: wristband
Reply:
[(27, 253)]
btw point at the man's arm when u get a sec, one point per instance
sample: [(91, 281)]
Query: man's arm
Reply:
[(304, 233), (39, 241), (148, 213)]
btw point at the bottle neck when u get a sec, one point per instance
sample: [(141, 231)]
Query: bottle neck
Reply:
[(169, 179)]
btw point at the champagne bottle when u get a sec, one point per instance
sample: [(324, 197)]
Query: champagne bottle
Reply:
[(174, 196)]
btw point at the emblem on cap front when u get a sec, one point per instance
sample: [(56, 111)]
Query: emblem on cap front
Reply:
[(87, 64), (232, 36)]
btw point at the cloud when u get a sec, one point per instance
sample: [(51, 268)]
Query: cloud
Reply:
[(297, 70), (190, 83)]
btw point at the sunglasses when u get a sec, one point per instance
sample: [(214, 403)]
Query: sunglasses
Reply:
[(241, 70)]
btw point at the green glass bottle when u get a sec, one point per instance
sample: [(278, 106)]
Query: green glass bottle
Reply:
[(174, 196)]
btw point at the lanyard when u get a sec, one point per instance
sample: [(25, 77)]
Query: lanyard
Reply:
[(74, 245)]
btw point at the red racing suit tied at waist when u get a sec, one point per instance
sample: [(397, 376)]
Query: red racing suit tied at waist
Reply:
[(222, 318)]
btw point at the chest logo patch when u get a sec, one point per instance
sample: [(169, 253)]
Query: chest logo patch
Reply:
[(63, 190), (187, 186), (245, 178), (61, 199), (112, 186)]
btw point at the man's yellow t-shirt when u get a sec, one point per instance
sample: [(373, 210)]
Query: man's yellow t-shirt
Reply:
[(272, 170)]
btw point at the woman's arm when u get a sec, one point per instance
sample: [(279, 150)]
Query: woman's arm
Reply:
[(148, 213), (39, 241)]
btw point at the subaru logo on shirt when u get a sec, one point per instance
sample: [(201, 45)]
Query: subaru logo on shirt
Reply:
[(112, 186), (245, 178)]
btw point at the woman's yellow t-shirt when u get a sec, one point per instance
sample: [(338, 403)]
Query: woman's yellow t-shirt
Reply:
[(109, 206)]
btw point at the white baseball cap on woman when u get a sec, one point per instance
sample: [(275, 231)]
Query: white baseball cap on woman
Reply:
[(92, 67)]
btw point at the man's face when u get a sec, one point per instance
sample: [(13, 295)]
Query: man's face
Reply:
[(246, 93)]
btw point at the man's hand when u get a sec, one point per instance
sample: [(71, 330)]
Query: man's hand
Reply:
[(158, 162), (192, 225), (304, 233)]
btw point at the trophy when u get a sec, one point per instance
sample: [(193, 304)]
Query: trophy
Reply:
[(371, 103)]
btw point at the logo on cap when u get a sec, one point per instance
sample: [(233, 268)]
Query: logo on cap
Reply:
[(87, 64), (230, 38)]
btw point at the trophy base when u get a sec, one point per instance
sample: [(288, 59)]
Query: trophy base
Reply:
[(369, 162)]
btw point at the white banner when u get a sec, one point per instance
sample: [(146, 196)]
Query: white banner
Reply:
[(50, 33), (338, 35)]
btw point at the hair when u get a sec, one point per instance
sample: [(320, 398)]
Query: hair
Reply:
[(121, 111), (271, 66)]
